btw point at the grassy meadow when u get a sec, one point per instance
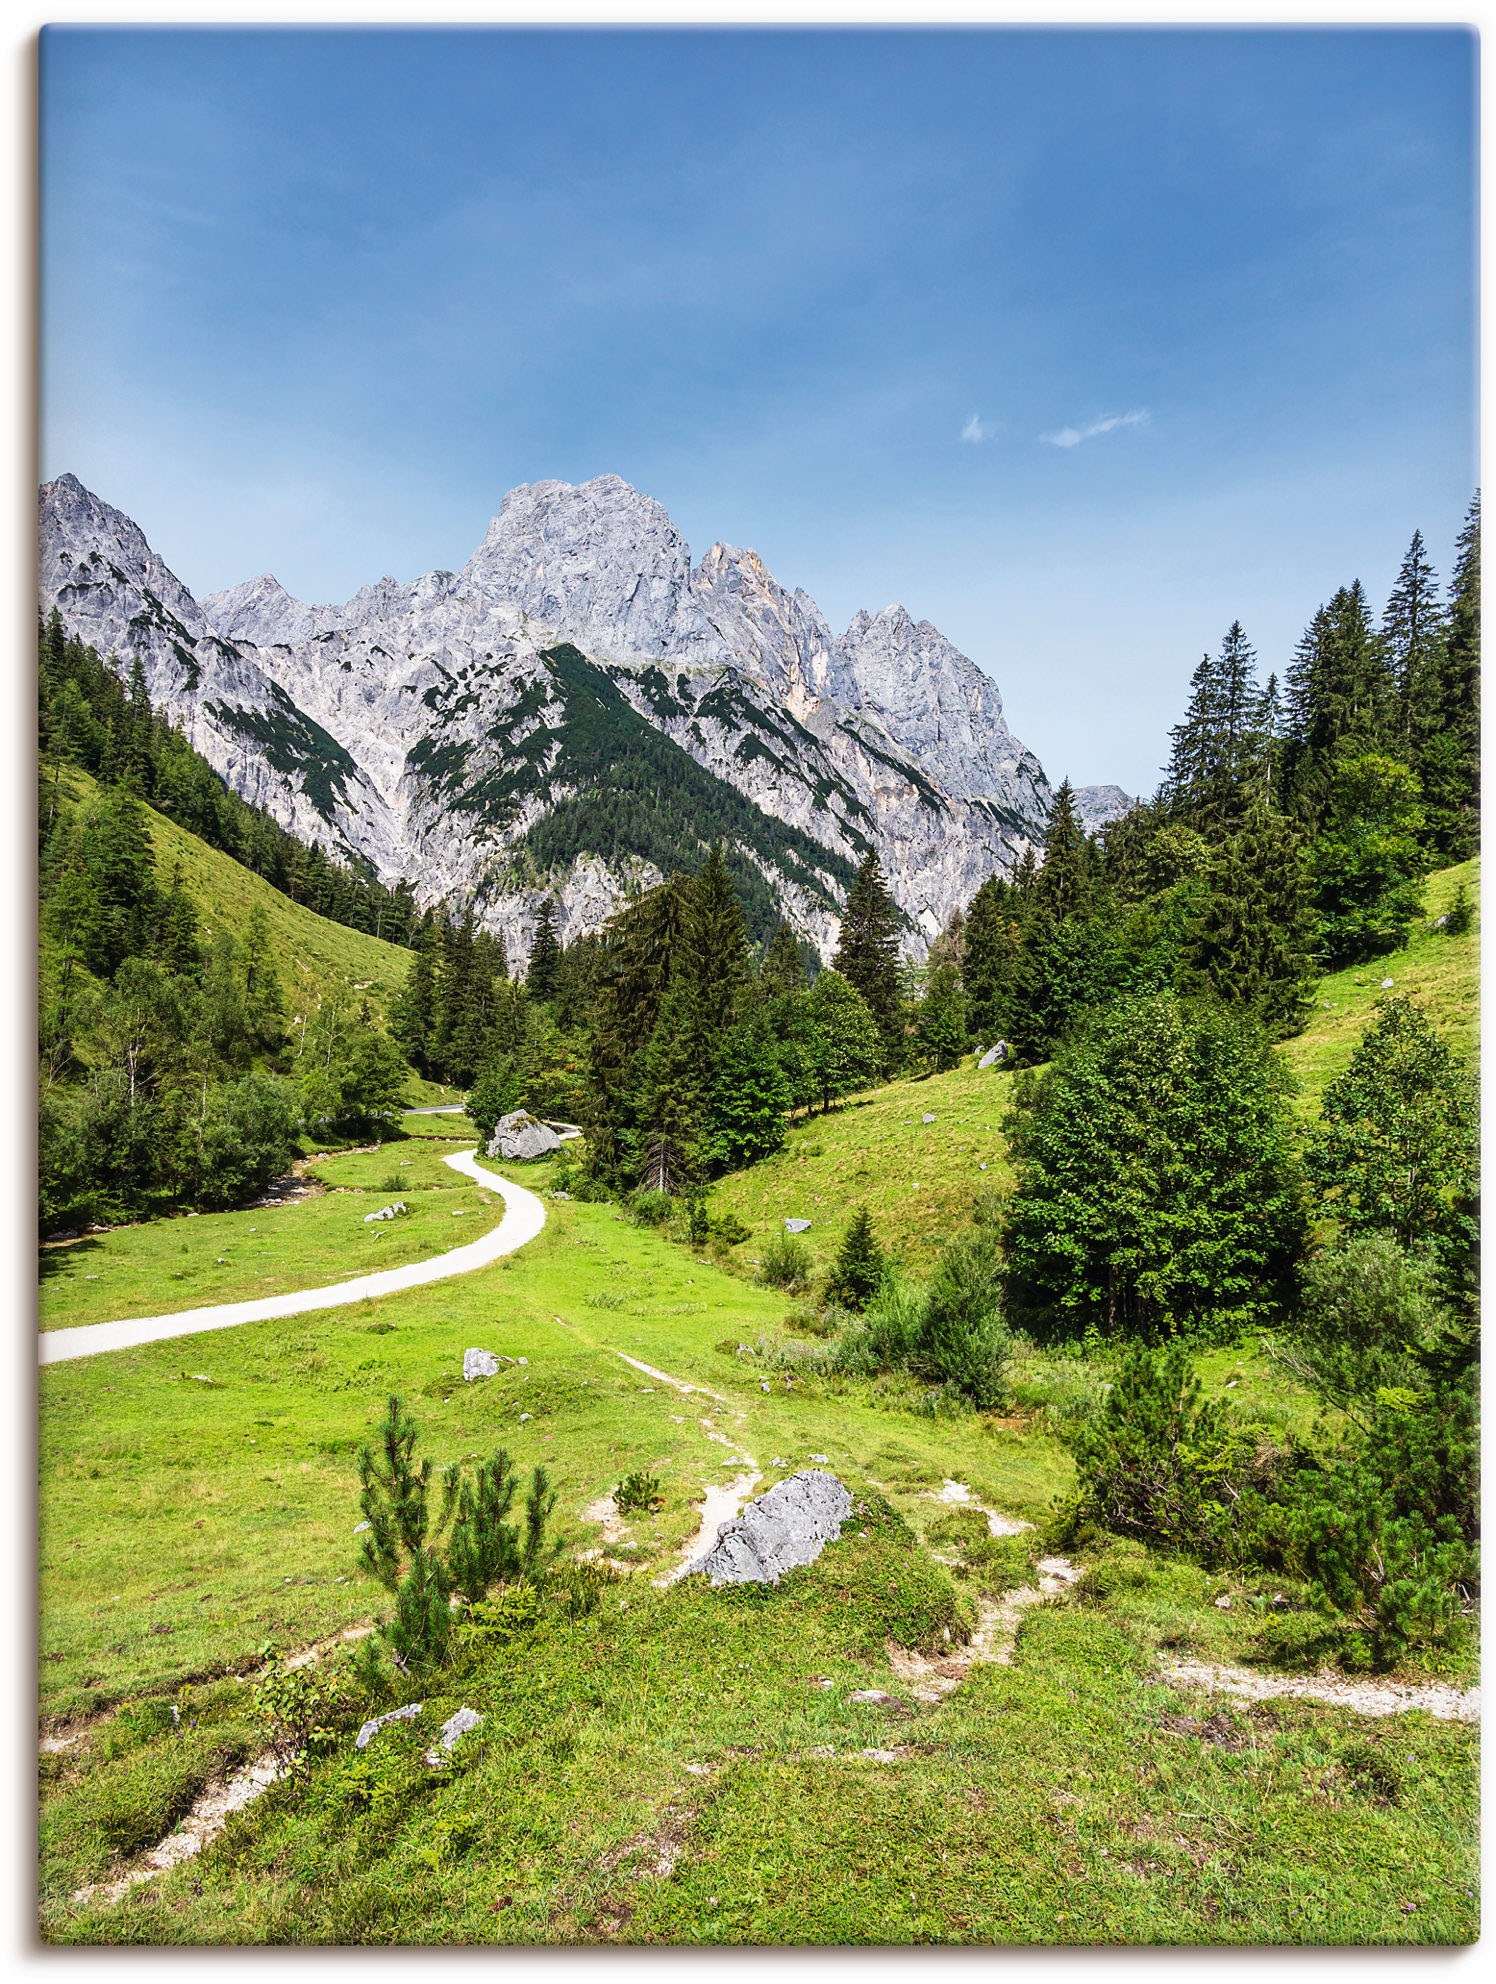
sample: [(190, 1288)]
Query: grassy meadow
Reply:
[(678, 1765)]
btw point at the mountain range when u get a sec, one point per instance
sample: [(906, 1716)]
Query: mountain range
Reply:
[(573, 713)]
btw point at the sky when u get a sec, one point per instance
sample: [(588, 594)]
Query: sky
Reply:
[(1081, 344)]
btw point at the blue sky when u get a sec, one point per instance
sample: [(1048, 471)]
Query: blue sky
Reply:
[(1080, 343)]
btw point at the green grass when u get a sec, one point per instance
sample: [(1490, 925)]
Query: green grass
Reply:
[(166, 1265), (310, 952), (917, 1179), (1439, 972), (1068, 1797)]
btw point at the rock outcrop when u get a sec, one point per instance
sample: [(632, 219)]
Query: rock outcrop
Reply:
[(790, 1525), (520, 1136), (433, 728)]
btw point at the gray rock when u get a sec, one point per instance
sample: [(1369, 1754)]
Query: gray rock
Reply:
[(1386, 984), (875, 1698), (994, 1054), (360, 1527), (457, 1726), (520, 1136), (387, 1212), (479, 1364), (888, 722), (797, 1226), (1097, 805), (789, 1525), (928, 1117), (373, 1726), (1440, 921)]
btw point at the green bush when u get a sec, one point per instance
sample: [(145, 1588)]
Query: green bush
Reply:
[(963, 1342), (650, 1208), (639, 1493), (786, 1263)]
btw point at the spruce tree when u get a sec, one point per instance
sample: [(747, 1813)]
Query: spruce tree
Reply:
[(1366, 861), (1063, 885), (1448, 755), (991, 935), (940, 1027), (545, 954), (713, 951), (1413, 628), (867, 956), (749, 1098), (858, 1271), (416, 1008), (1252, 944), (265, 1006), (782, 973)]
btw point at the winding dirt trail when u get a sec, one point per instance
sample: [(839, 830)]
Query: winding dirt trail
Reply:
[(524, 1216)]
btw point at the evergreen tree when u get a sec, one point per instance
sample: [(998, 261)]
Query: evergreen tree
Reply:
[(1217, 750), (545, 954), (1413, 631), (991, 934), (126, 905), (1157, 1185), (1065, 966), (1366, 862), (1063, 885), (1340, 698), (867, 956), (940, 1020), (1252, 943), (416, 1008), (179, 942), (1448, 751), (713, 952), (749, 1098), (265, 1006), (782, 973), (858, 1271)]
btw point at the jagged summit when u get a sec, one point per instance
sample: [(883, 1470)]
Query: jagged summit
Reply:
[(437, 728)]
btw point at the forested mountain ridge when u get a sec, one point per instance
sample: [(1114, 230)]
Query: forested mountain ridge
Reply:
[(429, 729)]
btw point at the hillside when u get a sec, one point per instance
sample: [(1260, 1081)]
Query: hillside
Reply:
[(917, 1178), (310, 951)]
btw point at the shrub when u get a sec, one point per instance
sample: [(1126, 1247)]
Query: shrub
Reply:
[(963, 1341), (886, 1335), (638, 1492), (404, 1551), (1460, 915), (1158, 1462), (1367, 1306), (786, 1263), (647, 1208), (728, 1228)]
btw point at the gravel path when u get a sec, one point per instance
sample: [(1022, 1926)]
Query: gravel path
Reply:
[(1435, 1698), (524, 1216)]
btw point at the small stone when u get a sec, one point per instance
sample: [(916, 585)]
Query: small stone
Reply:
[(994, 1054), (458, 1725), (359, 1528), (797, 1226), (521, 1360), (479, 1364), (524, 1416), (1223, 1603), (372, 1727), (981, 1167), (875, 1697), (927, 1118), (824, 1459), (1386, 984)]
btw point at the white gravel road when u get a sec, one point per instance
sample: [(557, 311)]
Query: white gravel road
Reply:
[(524, 1216)]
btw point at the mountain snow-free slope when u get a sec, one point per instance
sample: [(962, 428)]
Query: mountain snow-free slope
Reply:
[(432, 728)]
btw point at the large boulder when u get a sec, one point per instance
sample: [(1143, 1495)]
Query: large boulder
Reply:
[(519, 1135), (790, 1525)]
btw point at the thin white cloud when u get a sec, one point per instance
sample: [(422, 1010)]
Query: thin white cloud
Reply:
[(1071, 437), (977, 430)]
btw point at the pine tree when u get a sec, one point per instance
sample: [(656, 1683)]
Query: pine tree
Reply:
[(1340, 694), (782, 973), (867, 956), (749, 1099), (1253, 941), (713, 951), (991, 936), (545, 954), (940, 1027), (117, 852), (1448, 755), (860, 1266), (1413, 632), (179, 940), (415, 1011), (265, 1006), (1217, 748), (1063, 885)]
